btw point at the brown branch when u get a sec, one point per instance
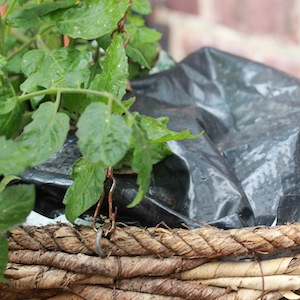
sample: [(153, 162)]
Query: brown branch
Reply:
[(113, 267)]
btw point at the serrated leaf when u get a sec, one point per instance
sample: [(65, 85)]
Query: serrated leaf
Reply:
[(159, 151), (145, 41), (75, 78), (74, 103), (141, 162), (103, 138), (84, 102), (137, 56), (142, 7), (45, 68), (31, 15), (134, 19), (14, 64), (85, 190), (164, 62), (46, 134), (148, 35), (135, 70), (6, 180), (159, 133), (3, 256), (16, 202), (127, 104), (10, 123), (13, 157), (104, 41), (113, 78), (91, 19), (7, 106)]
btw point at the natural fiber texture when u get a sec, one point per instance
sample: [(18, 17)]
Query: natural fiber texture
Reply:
[(207, 242), (60, 262)]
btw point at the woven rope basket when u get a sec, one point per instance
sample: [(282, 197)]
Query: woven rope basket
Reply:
[(62, 262)]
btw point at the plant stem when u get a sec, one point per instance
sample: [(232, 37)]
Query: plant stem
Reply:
[(2, 47), (29, 42), (12, 89), (19, 36), (10, 8), (58, 98), (24, 46), (52, 91)]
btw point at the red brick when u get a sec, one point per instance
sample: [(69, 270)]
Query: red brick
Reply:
[(194, 42), (2, 10), (262, 18), (226, 12), (257, 16), (185, 6), (282, 16), (284, 64)]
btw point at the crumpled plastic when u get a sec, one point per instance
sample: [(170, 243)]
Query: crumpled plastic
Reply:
[(243, 171)]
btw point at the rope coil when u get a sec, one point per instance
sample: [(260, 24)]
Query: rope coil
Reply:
[(205, 242), (62, 262)]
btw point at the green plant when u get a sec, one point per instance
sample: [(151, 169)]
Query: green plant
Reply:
[(45, 86)]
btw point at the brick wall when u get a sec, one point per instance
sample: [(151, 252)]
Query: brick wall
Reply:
[(267, 31)]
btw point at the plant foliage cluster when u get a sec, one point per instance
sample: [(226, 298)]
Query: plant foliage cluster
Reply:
[(47, 84)]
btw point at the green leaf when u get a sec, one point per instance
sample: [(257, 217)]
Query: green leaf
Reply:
[(159, 151), (148, 35), (81, 103), (74, 103), (45, 68), (127, 104), (10, 123), (164, 62), (7, 106), (134, 19), (102, 137), (137, 56), (6, 180), (104, 41), (16, 202), (75, 78), (14, 65), (85, 190), (31, 15), (46, 134), (141, 163), (3, 256), (13, 157), (113, 78), (158, 132), (142, 7), (77, 103), (136, 70), (91, 19), (144, 40)]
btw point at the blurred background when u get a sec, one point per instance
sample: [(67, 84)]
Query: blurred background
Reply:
[(266, 31)]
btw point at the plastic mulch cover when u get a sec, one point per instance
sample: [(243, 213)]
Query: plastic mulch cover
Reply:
[(245, 169)]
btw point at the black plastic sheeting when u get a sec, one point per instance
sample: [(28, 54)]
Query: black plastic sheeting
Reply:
[(243, 171)]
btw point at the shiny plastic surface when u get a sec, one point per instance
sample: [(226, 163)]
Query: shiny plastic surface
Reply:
[(243, 171)]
